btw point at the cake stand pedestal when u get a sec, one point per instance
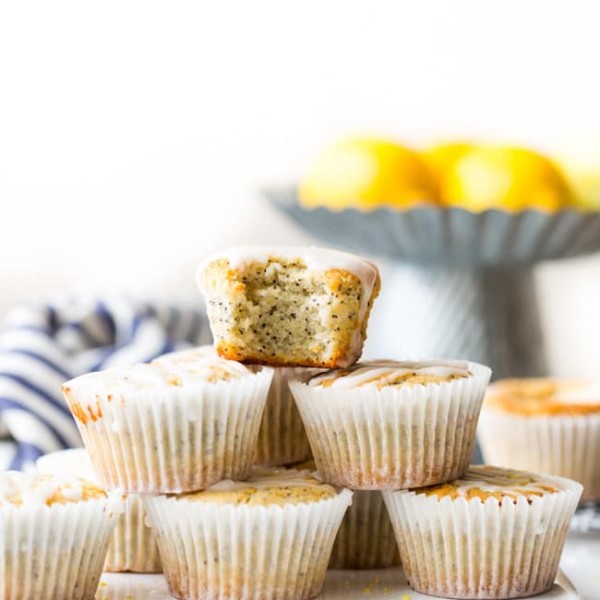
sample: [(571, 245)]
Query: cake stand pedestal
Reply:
[(488, 315)]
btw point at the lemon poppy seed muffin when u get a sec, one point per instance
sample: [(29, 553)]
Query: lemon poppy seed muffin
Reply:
[(269, 536), (546, 425), (132, 546), (303, 307), (54, 535), (493, 533), (282, 439), (366, 538), (172, 425), (392, 424)]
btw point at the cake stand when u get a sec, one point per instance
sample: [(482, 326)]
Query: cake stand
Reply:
[(461, 284)]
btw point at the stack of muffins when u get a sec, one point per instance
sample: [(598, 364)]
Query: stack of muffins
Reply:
[(214, 446)]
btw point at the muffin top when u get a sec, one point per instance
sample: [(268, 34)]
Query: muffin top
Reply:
[(266, 487), (181, 369), (484, 481), (75, 462), (545, 396), (204, 361), (18, 489), (387, 373)]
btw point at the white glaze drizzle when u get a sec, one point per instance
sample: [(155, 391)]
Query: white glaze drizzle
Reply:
[(196, 359), (32, 488), (75, 462), (265, 478), (385, 372), (177, 370), (584, 392), (495, 479)]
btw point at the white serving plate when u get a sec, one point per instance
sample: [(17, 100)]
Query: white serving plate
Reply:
[(580, 564), (381, 584)]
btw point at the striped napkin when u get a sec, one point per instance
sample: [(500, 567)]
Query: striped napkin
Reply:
[(43, 345)]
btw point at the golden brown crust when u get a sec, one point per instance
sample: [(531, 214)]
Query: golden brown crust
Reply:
[(541, 396)]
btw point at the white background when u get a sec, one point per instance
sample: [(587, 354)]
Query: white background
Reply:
[(133, 135)]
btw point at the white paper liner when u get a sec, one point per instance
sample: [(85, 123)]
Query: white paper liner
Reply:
[(282, 439), (393, 437), (222, 551), (187, 441), (469, 549), (52, 552), (366, 538), (567, 446), (133, 545)]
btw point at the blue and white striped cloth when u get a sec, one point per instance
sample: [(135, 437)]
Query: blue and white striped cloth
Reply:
[(43, 345)]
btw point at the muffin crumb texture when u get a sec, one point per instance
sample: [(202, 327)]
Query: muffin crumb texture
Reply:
[(282, 312)]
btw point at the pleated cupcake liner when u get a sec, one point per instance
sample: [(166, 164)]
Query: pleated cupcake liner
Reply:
[(366, 537), (454, 548), (282, 439), (428, 234), (567, 446), (394, 437), (151, 443), (55, 551), (133, 545), (227, 552)]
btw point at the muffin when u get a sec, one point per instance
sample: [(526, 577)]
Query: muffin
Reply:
[(54, 534), (267, 537), (170, 426), (282, 438), (366, 538), (132, 546), (546, 426), (494, 533), (304, 307), (390, 424)]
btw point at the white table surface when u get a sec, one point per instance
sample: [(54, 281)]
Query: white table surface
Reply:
[(580, 564)]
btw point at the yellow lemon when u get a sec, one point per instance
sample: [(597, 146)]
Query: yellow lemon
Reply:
[(367, 173), (505, 177), (443, 157), (581, 164)]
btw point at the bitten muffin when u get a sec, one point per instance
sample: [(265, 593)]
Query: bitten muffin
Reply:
[(132, 546), (546, 426), (267, 537), (170, 426), (289, 306), (392, 424), (54, 534), (494, 533)]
